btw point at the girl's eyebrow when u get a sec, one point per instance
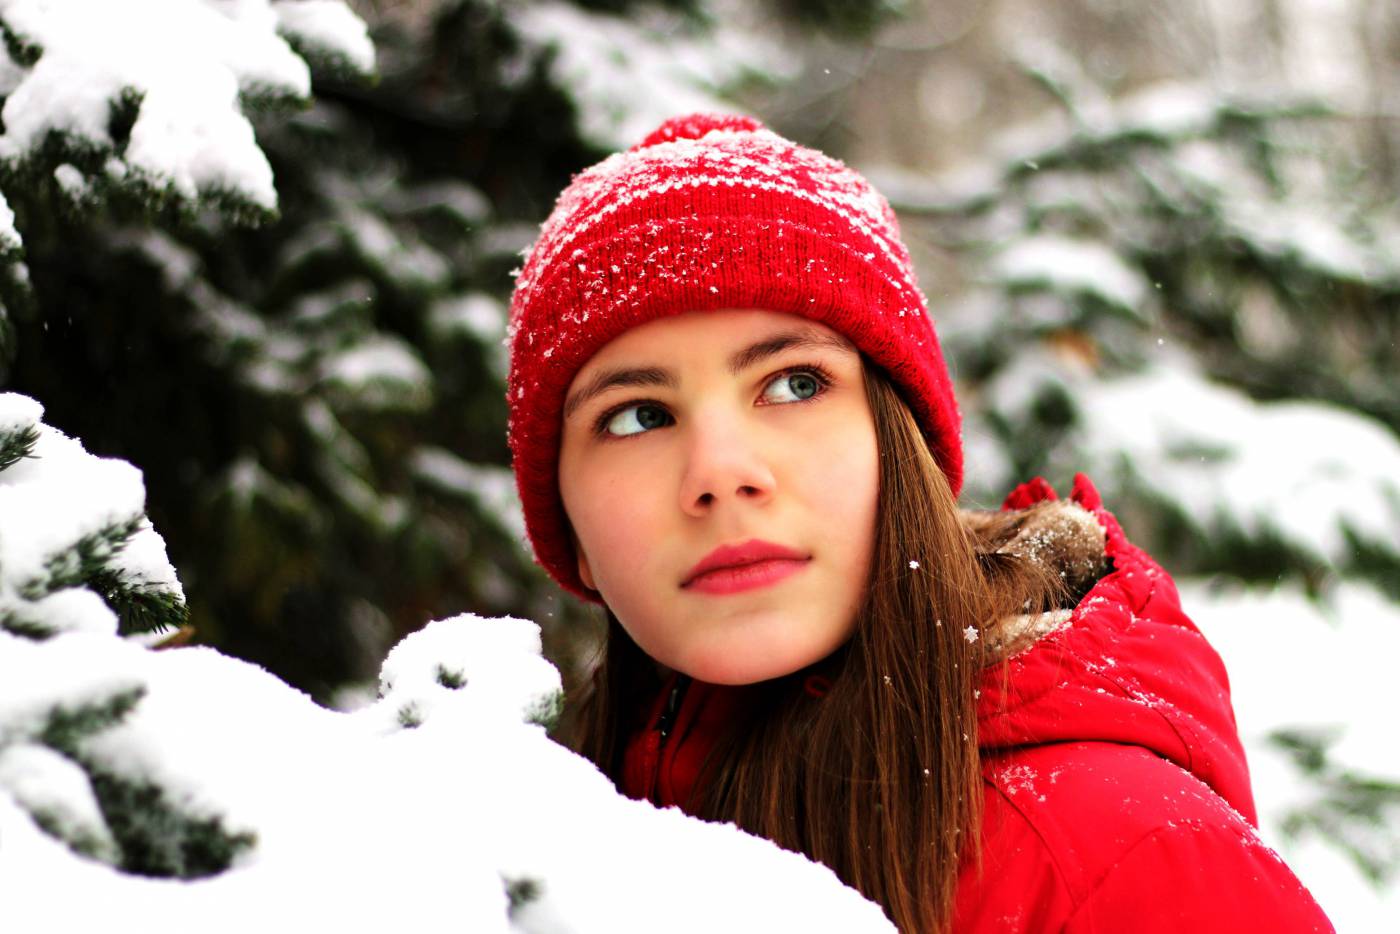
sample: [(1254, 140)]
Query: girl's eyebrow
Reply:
[(738, 362)]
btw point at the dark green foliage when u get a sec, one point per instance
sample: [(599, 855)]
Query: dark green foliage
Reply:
[(546, 711), (157, 838), (410, 716), (82, 840), (451, 679), (20, 50), (88, 563), (81, 561), (18, 625), (66, 727), (850, 19), (521, 891), (295, 504), (1257, 307), (305, 511), (1352, 811), (1375, 563), (16, 445), (141, 609)]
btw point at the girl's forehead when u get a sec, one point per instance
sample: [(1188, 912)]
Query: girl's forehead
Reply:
[(694, 334)]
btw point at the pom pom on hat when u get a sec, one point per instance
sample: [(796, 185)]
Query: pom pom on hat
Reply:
[(709, 212), (695, 126)]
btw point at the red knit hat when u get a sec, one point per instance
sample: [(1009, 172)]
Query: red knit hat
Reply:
[(709, 212)]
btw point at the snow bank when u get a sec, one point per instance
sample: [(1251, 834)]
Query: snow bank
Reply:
[(463, 813)]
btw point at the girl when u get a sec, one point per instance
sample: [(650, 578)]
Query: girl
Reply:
[(732, 426)]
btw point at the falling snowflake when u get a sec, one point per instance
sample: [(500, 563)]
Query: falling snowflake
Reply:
[(913, 565), (970, 633)]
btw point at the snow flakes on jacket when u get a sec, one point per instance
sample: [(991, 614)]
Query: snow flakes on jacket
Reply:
[(1117, 795)]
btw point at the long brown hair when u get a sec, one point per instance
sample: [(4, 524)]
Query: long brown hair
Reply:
[(880, 779)]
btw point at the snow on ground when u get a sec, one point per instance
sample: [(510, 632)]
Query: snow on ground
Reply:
[(1328, 668)]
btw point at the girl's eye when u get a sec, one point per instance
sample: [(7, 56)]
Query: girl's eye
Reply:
[(636, 419), (797, 386)]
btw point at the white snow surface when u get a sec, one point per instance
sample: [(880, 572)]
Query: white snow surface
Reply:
[(362, 826), (188, 62), (18, 412), (1323, 667)]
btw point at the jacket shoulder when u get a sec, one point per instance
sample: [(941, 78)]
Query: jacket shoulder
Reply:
[(1083, 836)]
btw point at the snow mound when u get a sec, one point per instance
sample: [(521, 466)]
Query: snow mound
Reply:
[(355, 821)]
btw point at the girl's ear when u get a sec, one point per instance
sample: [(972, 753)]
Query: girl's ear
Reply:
[(585, 573)]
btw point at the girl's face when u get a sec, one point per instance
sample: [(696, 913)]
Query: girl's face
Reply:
[(721, 475)]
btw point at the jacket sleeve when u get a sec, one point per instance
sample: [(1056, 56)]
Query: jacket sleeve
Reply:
[(1201, 879)]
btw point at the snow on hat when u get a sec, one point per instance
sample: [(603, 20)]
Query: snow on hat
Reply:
[(708, 212)]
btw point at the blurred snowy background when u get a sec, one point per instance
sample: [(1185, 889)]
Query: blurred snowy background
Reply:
[(260, 249)]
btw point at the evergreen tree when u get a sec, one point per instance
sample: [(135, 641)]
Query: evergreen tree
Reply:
[(1194, 297), (80, 563), (316, 394)]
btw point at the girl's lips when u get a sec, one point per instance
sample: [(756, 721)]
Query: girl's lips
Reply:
[(737, 578)]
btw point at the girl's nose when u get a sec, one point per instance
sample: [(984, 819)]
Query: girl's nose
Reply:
[(723, 465)]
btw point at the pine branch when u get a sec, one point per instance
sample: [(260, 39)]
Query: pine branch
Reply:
[(157, 838), (17, 445), (65, 728), (83, 562)]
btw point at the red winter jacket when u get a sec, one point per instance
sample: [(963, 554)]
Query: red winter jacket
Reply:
[(1116, 793)]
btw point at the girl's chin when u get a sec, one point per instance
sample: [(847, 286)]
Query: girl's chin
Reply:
[(740, 665)]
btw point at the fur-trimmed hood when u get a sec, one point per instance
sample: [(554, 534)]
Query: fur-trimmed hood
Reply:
[(1116, 796), (1124, 664)]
